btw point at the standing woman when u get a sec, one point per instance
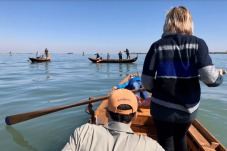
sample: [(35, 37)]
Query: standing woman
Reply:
[(120, 55), (46, 52), (180, 60), (108, 56)]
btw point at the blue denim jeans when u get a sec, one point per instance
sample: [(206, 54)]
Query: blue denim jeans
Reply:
[(138, 85)]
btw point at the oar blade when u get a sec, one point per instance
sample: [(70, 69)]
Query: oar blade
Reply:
[(14, 119)]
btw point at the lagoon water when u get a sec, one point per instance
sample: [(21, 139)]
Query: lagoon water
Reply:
[(72, 78)]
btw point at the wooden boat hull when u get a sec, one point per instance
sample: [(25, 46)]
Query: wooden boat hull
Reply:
[(94, 60), (39, 60), (198, 137)]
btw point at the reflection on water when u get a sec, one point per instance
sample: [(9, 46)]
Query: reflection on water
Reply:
[(120, 67), (98, 64), (41, 66), (109, 67), (18, 138), (48, 77), (128, 67)]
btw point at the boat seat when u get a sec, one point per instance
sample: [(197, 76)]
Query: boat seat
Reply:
[(198, 139)]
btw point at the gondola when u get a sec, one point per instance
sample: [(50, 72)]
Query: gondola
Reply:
[(198, 137), (94, 60), (40, 59)]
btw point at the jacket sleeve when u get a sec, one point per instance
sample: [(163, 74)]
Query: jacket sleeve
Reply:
[(71, 145), (149, 69), (122, 85), (208, 74)]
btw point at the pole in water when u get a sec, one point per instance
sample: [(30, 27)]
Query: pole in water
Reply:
[(83, 53)]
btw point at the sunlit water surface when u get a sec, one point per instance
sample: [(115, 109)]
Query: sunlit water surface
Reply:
[(72, 78)]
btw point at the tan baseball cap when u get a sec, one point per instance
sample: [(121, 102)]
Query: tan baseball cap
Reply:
[(122, 96)]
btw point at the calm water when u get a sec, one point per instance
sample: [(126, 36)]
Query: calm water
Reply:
[(71, 78)]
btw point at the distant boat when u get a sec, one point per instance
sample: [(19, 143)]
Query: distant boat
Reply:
[(40, 59), (113, 60), (70, 53)]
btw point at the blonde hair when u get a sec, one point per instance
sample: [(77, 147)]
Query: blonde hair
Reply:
[(179, 19)]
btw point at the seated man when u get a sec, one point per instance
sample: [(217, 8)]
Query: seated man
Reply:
[(117, 134), (37, 55), (135, 83)]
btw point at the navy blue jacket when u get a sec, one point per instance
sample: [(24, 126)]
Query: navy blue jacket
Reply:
[(178, 62)]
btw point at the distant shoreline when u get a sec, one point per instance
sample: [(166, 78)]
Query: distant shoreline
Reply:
[(209, 53), (217, 52), (102, 53)]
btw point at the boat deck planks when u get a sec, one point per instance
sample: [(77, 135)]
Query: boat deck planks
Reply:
[(198, 137)]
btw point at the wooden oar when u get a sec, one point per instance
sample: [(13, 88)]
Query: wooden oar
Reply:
[(14, 119), (98, 61)]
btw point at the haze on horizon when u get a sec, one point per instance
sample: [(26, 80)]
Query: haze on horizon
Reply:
[(106, 26)]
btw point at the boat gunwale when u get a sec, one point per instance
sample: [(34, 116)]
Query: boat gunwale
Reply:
[(37, 60)]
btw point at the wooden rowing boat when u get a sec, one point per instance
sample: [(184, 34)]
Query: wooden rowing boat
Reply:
[(113, 60), (40, 59), (198, 137)]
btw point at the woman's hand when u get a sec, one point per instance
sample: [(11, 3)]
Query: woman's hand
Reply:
[(114, 88), (221, 72)]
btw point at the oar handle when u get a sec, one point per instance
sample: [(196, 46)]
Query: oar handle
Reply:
[(14, 119)]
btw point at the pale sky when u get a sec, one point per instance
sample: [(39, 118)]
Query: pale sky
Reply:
[(102, 25)]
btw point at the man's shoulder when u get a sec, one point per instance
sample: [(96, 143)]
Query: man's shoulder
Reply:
[(90, 127)]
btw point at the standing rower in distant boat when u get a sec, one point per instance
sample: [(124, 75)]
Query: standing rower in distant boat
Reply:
[(120, 55), (108, 56), (127, 53), (46, 52), (97, 57)]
